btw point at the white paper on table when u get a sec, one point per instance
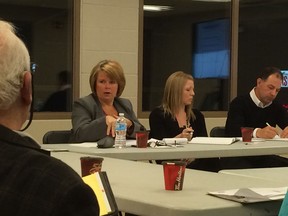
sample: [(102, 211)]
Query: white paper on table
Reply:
[(278, 139), (255, 140), (154, 143), (168, 146), (214, 140), (175, 140), (130, 142), (56, 150), (251, 195), (85, 144), (94, 144)]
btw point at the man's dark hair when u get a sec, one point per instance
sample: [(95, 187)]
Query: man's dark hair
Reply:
[(267, 71)]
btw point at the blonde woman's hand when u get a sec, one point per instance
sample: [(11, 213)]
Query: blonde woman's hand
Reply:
[(186, 133), (110, 122)]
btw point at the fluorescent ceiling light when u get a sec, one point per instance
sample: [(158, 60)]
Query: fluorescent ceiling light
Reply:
[(156, 8), (213, 0)]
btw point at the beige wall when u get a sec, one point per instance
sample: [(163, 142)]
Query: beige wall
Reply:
[(108, 30)]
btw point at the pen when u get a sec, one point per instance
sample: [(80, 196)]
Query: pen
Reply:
[(191, 132), (187, 126), (277, 135)]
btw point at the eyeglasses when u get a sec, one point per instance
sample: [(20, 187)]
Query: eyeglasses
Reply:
[(33, 67)]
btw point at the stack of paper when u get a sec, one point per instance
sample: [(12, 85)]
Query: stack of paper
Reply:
[(214, 140), (167, 143), (252, 195), (175, 140)]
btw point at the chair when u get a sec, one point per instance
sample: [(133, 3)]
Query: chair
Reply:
[(218, 131), (54, 137)]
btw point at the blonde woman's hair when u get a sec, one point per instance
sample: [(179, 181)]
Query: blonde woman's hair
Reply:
[(173, 91), (14, 60), (113, 70)]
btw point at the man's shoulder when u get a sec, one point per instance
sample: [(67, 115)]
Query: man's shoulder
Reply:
[(35, 163), (241, 98), (46, 180), (53, 171), (53, 165), (48, 163)]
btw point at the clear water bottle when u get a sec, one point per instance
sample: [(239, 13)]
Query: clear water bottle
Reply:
[(120, 130)]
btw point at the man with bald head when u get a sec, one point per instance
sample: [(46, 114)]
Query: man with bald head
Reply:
[(32, 182)]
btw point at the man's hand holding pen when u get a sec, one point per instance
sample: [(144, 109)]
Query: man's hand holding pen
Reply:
[(267, 132), (283, 134)]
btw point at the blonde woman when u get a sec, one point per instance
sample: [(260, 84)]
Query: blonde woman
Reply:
[(175, 117), (94, 116)]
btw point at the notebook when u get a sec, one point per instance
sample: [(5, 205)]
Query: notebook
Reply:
[(100, 184), (214, 140)]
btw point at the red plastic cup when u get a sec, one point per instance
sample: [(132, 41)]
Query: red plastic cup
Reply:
[(247, 133), (90, 165), (142, 139), (174, 175)]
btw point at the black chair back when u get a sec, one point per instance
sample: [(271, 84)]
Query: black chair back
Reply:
[(55, 137), (218, 131)]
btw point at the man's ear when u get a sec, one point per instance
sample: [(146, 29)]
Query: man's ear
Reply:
[(259, 81), (26, 90)]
